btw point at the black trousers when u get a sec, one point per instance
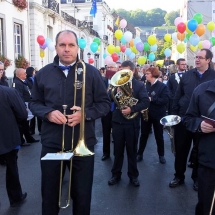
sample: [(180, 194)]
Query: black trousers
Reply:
[(145, 130), (33, 124), (81, 187), (25, 130), (206, 182), (106, 130), (124, 135), (13, 186), (183, 140)]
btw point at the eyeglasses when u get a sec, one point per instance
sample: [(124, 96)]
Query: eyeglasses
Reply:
[(199, 57), (110, 67)]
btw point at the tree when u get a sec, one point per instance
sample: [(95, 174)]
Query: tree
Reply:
[(161, 48), (155, 17), (170, 17), (138, 17)]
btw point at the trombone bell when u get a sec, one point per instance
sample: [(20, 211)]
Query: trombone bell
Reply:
[(170, 120), (81, 149)]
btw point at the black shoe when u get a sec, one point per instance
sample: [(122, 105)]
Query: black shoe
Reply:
[(195, 185), (139, 158), (17, 203), (135, 182), (162, 159), (25, 144), (105, 157), (114, 180), (176, 182), (33, 141)]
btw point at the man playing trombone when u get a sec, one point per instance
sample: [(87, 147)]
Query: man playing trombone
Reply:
[(54, 90)]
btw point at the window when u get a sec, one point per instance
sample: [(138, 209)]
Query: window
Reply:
[(1, 36), (17, 39)]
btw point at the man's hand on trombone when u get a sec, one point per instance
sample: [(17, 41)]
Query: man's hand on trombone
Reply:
[(74, 118)]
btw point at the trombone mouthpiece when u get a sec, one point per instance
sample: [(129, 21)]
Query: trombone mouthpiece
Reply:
[(64, 107)]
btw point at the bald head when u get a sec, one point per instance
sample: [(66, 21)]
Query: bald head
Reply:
[(21, 73)]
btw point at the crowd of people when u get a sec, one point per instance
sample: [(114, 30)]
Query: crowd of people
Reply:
[(129, 112)]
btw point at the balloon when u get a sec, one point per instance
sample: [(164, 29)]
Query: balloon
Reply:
[(180, 36), (188, 36), (193, 48), (185, 40), (146, 47), (141, 60), (152, 40), (187, 30), (180, 48), (94, 47), (97, 40), (137, 40), (123, 48), (181, 27), (105, 55), (134, 50), (118, 34), (43, 46), (51, 46), (99, 49), (111, 49), (42, 53), (212, 40), (194, 39), (151, 56), (40, 40), (167, 52), (211, 26), (174, 37), (154, 48), (177, 21), (82, 43), (117, 49), (108, 60), (90, 61), (131, 56), (131, 43), (192, 25), (200, 30), (167, 37), (200, 45), (198, 17), (128, 36), (128, 51), (48, 40), (123, 23), (139, 46), (123, 41), (115, 57), (206, 44)]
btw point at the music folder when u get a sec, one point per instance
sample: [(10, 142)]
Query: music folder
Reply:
[(58, 156), (209, 120)]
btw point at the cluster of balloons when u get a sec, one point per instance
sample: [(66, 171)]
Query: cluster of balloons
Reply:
[(44, 43)]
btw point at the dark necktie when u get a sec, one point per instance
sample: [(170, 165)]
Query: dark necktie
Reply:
[(180, 74), (65, 67)]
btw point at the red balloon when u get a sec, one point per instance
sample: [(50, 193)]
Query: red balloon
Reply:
[(181, 27), (123, 48), (40, 40), (90, 61), (115, 57)]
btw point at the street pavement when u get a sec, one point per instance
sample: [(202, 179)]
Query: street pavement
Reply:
[(153, 197)]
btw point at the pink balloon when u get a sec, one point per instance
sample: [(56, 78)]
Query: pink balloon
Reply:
[(177, 21), (123, 23), (206, 44), (108, 60)]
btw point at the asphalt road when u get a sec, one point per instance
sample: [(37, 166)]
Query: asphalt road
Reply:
[(153, 197)]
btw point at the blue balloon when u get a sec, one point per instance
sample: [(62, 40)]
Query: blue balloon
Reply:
[(132, 55), (154, 48), (82, 43), (123, 41), (194, 39), (192, 25), (137, 40), (48, 40), (185, 40), (105, 55), (151, 56), (94, 47), (128, 51), (167, 52)]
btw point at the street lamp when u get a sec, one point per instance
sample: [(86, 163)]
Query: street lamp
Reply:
[(88, 54), (96, 56)]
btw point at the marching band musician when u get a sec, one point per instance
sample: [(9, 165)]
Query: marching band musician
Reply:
[(158, 95), (54, 87), (124, 131)]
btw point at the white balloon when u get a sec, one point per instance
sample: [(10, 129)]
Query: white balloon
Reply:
[(51, 46), (177, 21), (174, 37), (128, 36)]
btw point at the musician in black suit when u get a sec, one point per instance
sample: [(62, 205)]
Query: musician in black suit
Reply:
[(12, 112), (124, 130)]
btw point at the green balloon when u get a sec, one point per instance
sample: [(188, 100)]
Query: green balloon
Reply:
[(97, 40), (212, 39), (198, 17), (146, 47), (188, 36)]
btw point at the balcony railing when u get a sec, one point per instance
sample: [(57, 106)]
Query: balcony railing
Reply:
[(51, 4), (68, 18)]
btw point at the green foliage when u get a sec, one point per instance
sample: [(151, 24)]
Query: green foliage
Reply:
[(161, 48), (170, 17)]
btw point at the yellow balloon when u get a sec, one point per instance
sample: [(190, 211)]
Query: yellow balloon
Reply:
[(117, 49), (152, 40), (118, 34), (167, 37), (181, 48), (193, 48), (42, 53), (111, 49), (211, 26), (141, 60), (200, 46), (133, 49), (99, 49)]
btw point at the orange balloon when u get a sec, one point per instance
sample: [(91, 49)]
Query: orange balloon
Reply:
[(131, 43), (180, 36), (200, 30)]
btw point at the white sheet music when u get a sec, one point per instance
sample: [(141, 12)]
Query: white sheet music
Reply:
[(57, 156)]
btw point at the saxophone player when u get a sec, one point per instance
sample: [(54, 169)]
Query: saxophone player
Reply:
[(124, 130)]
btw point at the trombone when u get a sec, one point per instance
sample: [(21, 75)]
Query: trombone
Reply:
[(81, 148)]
